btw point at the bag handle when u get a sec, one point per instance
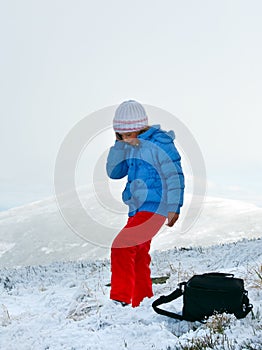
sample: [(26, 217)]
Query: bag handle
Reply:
[(218, 274), (166, 299)]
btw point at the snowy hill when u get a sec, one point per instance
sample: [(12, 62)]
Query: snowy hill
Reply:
[(65, 306), (58, 299), (37, 234)]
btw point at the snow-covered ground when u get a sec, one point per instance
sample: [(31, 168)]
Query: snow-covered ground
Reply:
[(53, 292), (66, 305)]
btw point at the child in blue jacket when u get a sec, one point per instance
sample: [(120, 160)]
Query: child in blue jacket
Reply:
[(154, 191)]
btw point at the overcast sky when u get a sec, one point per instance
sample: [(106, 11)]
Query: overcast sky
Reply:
[(61, 60)]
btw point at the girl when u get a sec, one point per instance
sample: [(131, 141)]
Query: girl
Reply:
[(154, 191)]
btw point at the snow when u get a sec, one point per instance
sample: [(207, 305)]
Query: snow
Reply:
[(65, 305), (53, 292)]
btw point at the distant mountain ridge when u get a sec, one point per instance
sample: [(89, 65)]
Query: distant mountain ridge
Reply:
[(37, 234)]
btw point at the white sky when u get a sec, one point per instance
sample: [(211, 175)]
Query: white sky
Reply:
[(61, 60)]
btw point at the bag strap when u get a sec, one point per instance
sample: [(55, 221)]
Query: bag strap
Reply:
[(166, 299)]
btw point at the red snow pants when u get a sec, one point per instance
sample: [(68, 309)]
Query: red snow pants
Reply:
[(130, 259)]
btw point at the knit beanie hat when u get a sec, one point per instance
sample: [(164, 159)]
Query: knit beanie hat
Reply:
[(130, 116)]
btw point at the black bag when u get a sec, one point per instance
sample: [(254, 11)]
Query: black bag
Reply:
[(204, 295)]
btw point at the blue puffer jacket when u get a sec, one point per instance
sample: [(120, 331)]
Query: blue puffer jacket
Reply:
[(155, 180)]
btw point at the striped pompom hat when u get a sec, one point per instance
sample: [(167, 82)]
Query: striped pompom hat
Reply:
[(130, 116)]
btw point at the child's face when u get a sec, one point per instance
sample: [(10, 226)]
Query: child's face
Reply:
[(130, 137)]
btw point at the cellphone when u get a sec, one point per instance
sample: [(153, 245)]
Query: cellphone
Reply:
[(119, 136)]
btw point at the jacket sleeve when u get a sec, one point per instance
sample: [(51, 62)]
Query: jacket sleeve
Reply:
[(172, 175), (116, 165)]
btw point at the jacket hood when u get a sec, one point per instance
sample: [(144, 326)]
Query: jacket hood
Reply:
[(155, 133)]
